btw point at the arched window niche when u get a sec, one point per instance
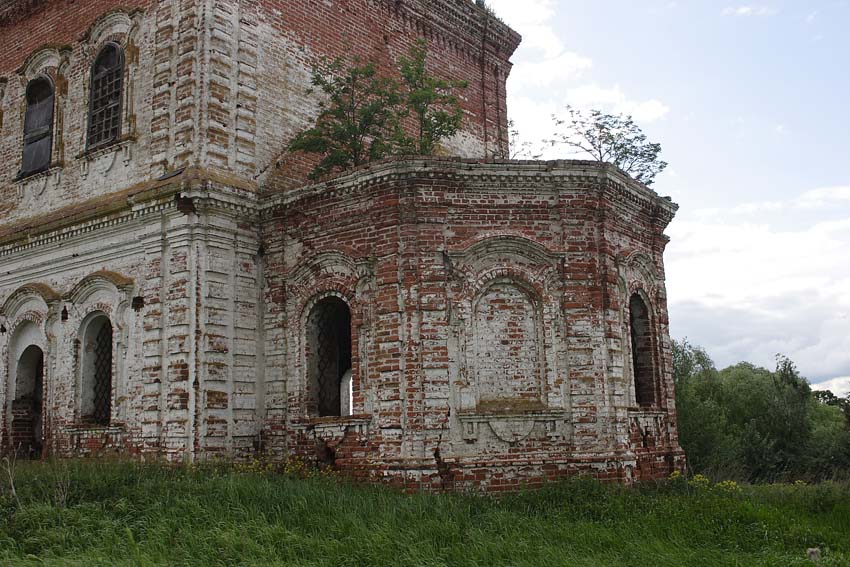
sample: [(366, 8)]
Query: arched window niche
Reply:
[(107, 82), (329, 371), (507, 348), (643, 351), (96, 370), (38, 127)]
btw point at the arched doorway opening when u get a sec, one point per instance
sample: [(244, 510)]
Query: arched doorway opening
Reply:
[(28, 405), (329, 358)]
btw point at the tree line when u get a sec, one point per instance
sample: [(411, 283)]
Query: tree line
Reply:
[(752, 424)]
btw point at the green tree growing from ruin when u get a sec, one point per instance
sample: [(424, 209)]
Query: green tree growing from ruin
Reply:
[(609, 138), (358, 117), (430, 100), (362, 115)]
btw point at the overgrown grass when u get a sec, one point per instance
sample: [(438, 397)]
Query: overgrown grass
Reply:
[(91, 514)]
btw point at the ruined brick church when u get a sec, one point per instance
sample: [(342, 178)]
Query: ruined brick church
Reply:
[(171, 286)]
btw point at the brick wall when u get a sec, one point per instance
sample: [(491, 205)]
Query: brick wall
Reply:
[(488, 316), (489, 300), (222, 84)]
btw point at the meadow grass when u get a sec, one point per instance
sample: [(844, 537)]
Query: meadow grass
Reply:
[(123, 514)]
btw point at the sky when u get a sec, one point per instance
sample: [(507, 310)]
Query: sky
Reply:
[(751, 104)]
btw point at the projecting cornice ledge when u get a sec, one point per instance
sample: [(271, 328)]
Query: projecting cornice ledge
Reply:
[(505, 176), (212, 190)]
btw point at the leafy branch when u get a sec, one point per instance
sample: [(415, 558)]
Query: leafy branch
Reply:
[(362, 114), (608, 138)]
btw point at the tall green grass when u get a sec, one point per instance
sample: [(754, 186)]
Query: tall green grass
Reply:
[(116, 514)]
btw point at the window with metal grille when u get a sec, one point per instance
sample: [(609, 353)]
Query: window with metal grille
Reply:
[(328, 355), (38, 127), (643, 355), (107, 77), (96, 403)]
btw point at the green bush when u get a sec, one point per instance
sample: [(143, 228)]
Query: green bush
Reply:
[(751, 424)]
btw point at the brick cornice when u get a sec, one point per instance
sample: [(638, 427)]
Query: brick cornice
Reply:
[(219, 191), (463, 17), (506, 175)]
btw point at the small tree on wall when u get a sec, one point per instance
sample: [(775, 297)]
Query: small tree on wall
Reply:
[(357, 119), (361, 114), (609, 138), (430, 100)]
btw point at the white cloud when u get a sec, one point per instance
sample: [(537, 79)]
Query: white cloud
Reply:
[(547, 76), (810, 19), (838, 386), (615, 100), (823, 197), (533, 115), (565, 67), (748, 10), (532, 19), (746, 290)]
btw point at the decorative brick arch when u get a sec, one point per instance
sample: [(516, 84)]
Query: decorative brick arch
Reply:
[(46, 59), (322, 276), (96, 369), (511, 362), (119, 28), (114, 22), (102, 298), (24, 386), (97, 281), (18, 298), (640, 285)]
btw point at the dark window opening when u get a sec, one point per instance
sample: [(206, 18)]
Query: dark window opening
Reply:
[(27, 407), (96, 403), (107, 78), (329, 357), (38, 127), (643, 364)]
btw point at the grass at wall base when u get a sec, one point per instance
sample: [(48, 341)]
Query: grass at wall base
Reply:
[(123, 514)]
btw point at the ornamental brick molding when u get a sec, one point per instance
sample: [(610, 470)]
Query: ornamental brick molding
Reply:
[(507, 320)]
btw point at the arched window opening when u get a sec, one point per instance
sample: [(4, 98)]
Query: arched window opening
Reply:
[(96, 400), (107, 76), (329, 358), (643, 364), (38, 127), (27, 407)]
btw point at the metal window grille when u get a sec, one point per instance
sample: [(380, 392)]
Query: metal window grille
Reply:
[(102, 375), (105, 104), (332, 319), (38, 127)]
